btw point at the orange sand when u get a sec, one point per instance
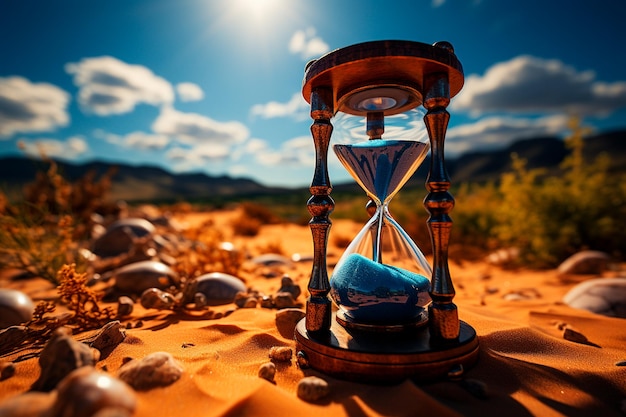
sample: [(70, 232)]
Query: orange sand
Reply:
[(527, 366)]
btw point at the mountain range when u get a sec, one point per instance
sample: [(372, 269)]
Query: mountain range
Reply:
[(149, 183)]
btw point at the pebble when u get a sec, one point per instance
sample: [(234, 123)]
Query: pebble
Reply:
[(125, 306), (287, 319), (585, 262), (267, 371), (522, 294), (574, 336), (137, 277), (85, 392), (15, 308), (281, 353), (503, 256), (219, 288), (61, 355), (312, 388), (155, 298), (606, 296), (284, 300), (29, 404), (12, 337), (271, 259), (120, 237), (287, 285), (7, 370), (109, 336), (158, 369)]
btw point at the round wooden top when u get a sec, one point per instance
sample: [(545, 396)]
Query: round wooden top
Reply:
[(395, 64)]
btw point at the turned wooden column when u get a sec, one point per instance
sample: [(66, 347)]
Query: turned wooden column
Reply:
[(443, 315), (320, 205)]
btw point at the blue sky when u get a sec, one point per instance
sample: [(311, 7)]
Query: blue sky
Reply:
[(214, 85)]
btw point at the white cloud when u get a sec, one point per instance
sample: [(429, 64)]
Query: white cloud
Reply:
[(298, 151), (189, 92), (52, 148), (200, 156), (296, 107), (498, 132), (194, 128), (533, 85), (137, 140), (27, 107), (307, 45), (110, 86)]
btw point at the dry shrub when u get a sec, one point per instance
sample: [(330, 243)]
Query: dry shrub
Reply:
[(251, 218), (208, 254), (41, 233), (82, 301)]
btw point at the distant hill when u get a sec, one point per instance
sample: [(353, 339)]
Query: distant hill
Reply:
[(540, 152), (149, 183), (136, 183)]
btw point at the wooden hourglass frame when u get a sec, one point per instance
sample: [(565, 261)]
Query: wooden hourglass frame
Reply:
[(431, 74)]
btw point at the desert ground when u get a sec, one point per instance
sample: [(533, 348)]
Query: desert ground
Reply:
[(538, 356)]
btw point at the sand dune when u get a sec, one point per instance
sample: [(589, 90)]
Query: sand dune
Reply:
[(526, 366)]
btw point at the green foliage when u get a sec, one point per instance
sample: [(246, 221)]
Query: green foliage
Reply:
[(547, 218), (551, 218)]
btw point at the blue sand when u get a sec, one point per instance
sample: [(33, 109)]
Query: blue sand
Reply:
[(372, 292)]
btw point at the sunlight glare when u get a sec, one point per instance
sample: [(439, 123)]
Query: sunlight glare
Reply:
[(259, 12)]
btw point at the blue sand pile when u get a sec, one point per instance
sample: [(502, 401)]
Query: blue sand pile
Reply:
[(371, 292)]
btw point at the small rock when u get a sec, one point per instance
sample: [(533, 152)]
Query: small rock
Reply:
[(503, 256), (585, 262), (300, 257), (280, 353), (155, 298), (12, 337), (267, 301), (125, 306), (287, 285), (606, 296), (139, 276), (267, 371), (120, 237), (7, 370), (284, 300), (218, 288), (312, 388), (250, 302), (61, 355), (85, 392), (287, 319), (109, 336), (271, 259), (522, 294), (158, 369), (15, 308), (574, 336), (199, 300), (29, 404)]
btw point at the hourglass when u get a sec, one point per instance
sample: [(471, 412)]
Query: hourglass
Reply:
[(382, 279), (393, 315)]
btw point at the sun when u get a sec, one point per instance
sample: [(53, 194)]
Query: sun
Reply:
[(257, 12)]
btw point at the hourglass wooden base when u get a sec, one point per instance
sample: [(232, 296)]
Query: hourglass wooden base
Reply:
[(368, 356)]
